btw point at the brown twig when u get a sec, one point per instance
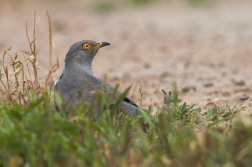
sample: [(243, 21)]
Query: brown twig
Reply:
[(24, 72)]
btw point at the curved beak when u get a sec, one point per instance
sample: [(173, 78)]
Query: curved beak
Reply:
[(101, 44)]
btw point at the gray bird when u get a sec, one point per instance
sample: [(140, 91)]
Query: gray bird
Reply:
[(77, 84)]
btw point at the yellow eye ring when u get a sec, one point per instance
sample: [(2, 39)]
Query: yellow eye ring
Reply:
[(86, 46)]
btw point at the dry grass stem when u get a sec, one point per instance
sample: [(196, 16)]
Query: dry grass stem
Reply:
[(20, 78)]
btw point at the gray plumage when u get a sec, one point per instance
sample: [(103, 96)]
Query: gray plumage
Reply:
[(77, 84)]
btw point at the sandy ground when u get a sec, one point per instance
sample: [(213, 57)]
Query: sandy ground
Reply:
[(207, 49)]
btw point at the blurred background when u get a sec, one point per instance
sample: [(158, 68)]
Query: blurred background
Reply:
[(205, 46)]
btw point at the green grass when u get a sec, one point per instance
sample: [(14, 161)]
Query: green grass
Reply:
[(104, 6), (33, 134), (113, 5), (201, 2), (178, 135), (142, 2)]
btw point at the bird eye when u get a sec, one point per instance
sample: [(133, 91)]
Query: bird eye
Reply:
[(86, 46)]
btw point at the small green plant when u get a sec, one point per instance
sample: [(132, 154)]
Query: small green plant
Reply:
[(104, 6), (201, 2), (141, 2)]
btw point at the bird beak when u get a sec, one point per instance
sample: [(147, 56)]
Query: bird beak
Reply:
[(101, 44)]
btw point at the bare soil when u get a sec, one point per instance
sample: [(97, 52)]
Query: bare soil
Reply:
[(206, 50)]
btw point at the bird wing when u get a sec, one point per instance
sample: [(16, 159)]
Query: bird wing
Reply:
[(118, 94), (72, 91), (98, 85)]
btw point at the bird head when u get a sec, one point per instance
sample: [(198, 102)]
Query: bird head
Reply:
[(83, 52)]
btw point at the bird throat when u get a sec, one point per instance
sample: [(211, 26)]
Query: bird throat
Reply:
[(78, 69)]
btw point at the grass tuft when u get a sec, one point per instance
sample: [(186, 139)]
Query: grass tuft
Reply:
[(201, 2), (34, 135), (104, 6)]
